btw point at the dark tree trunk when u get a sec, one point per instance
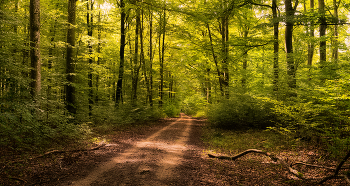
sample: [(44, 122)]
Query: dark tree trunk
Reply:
[(34, 51), (311, 45), (215, 61), (136, 65), (70, 66), (245, 61), (224, 35), (150, 59), (323, 26), (99, 48), (275, 47), (89, 22), (142, 58), (119, 91), (161, 88), (289, 46), (335, 35)]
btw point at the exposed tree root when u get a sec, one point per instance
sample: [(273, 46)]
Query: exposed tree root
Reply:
[(289, 167)]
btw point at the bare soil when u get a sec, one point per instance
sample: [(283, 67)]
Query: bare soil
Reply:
[(169, 153)]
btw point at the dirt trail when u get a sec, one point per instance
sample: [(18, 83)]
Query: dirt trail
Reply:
[(152, 161)]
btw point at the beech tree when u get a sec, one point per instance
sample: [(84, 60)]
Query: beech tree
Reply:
[(35, 51), (70, 59)]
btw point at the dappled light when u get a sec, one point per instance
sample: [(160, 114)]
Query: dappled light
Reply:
[(272, 76)]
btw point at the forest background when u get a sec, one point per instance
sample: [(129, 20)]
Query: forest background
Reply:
[(67, 67)]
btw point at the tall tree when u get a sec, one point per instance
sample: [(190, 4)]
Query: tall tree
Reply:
[(290, 11), (311, 45), (119, 91), (225, 48), (335, 34), (35, 51), (275, 46), (136, 65), (150, 57), (89, 22), (161, 55), (99, 48), (70, 60), (323, 27)]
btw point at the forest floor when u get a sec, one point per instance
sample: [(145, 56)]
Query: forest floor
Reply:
[(169, 152)]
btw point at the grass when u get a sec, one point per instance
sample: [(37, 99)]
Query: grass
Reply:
[(233, 142)]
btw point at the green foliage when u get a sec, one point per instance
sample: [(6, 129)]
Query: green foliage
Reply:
[(193, 104), (20, 130), (242, 111), (171, 109)]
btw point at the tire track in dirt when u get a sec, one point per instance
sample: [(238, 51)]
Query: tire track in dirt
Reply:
[(152, 161)]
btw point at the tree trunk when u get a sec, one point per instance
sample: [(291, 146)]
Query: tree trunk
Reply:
[(150, 58), (119, 91), (99, 48), (35, 51), (245, 60), (335, 35), (142, 58), (289, 46), (224, 35), (161, 93), (323, 26), (136, 65), (275, 47), (89, 22), (70, 66), (215, 61), (311, 45)]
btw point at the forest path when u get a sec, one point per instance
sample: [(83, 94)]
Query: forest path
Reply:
[(152, 161)]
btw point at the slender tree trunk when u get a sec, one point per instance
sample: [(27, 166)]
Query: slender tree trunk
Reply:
[(311, 45), (161, 88), (136, 61), (323, 26), (335, 35), (99, 48), (50, 62), (150, 57), (35, 51), (89, 22), (275, 46), (119, 91), (215, 61), (142, 58), (245, 61), (225, 38), (289, 46), (70, 66)]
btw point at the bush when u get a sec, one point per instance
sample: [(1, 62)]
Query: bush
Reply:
[(242, 111)]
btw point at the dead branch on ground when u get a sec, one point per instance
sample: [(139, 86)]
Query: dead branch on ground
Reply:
[(60, 152), (289, 167)]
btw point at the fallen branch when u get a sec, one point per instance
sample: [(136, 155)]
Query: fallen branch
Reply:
[(272, 157), (62, 151), (18, 179), (289, 167), (337, 170)]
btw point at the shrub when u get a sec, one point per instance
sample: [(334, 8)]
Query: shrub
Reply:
[(242, 111)]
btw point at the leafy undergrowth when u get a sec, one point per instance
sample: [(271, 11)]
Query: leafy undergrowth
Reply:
[(230, 143)]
